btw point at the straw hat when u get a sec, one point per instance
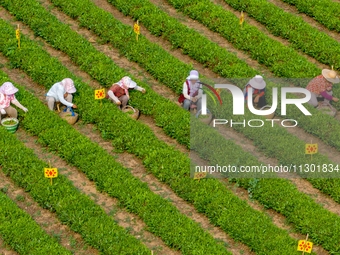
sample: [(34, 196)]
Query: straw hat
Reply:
[(8, 88), (330, 75), (193, 75), (257, 82)]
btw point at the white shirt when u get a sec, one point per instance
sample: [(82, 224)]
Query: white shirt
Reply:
[(57, 91), (193, 88)]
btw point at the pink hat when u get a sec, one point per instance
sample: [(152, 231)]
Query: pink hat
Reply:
[(68, 84), (8, 88)]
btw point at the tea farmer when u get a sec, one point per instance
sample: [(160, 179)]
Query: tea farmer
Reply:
[(7, 91), (321, 87), (61, 92), (119, 91), (259, 88), (191, 96)]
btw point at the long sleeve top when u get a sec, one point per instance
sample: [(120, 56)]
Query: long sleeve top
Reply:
[(6, 100), (194, 90), (257, 92), (57, 91), (319, 85), (116, 91)]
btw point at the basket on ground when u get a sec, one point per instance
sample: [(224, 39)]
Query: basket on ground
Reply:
[(69, 115), (327, 109), (269, 116), (134, 113), (206, 118), (11, 124)]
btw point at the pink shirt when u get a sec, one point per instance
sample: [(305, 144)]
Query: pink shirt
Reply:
[(6, 100)]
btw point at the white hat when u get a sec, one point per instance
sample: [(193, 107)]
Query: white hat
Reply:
[(126, 80), (193, 75), (8, 88), (257, 82), (330, 75)]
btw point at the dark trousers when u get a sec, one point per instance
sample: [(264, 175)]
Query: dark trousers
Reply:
[(262, 102)]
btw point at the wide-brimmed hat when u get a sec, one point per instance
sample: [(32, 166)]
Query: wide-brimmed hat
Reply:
[(330, 75), (126, 81), (193, 75), (68, 85), (8, 88), (257, 82)]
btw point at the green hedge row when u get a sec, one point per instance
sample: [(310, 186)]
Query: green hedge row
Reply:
[(102, 68), (300, 34), (327, 12), (72, 208), (171, 30), (310, 126), (224, 209), (274, 192), (283, 61), (20, 231), (161, 217), (160, 23)]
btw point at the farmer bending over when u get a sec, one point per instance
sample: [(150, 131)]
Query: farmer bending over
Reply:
[(119, 91), (321, 87), (7, 91), (61, 92), (259, 88)]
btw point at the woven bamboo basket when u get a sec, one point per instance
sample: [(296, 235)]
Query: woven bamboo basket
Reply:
[(205, 118), (327, 109), (134, 113), (69, 115), (269, 116)]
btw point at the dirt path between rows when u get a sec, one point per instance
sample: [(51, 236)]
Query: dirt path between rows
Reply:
[(263, 29), (212, 36), (292, 9), (43, 92), (137, 170), (129, 221), (129, 161), (47, 220), (5, 249), (301, 184), (177, 53), (67, 62)]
